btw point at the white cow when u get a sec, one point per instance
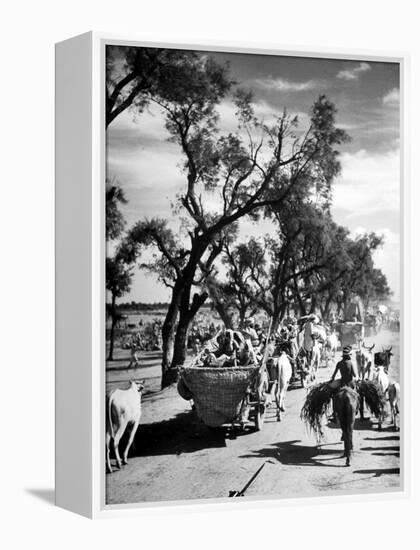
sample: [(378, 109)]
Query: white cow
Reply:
[(279, 372), (123, 411), (394, 401), (316, 355), (331, 345), (381, 378)]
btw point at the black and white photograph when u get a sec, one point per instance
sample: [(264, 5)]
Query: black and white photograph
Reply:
[(253, 275)]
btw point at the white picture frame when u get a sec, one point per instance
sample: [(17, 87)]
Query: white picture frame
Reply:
[(80, 277)]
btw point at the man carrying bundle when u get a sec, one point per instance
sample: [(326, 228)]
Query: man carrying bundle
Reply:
[(348, 375), (347, 371)]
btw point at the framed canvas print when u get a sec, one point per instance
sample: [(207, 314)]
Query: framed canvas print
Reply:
[(230, 286)]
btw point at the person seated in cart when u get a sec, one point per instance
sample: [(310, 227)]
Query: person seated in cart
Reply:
[(293, 337), (209, 359), (227, 342), (250, 333), (260, 333)]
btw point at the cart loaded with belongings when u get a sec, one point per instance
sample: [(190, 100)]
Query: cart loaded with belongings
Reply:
[(222, 395)]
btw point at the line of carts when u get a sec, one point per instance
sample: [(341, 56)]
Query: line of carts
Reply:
[(242, 394), (237, 395)]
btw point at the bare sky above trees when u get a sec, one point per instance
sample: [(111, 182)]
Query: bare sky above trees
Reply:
[(365, 195)]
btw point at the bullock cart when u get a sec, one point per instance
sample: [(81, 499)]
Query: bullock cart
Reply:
[(231, 395), (351, 333), (304, 371)]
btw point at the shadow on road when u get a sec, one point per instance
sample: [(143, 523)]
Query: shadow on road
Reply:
[(291, 453), (180, 434), (385, 438), (378, 471), (391, 448), (362, 425), (396, 454)]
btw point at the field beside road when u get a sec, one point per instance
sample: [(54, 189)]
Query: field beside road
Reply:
[(175, 457)]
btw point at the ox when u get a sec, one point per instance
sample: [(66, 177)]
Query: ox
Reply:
[(365, 360), (316, 355), (394, 402), (279, 373), (331, 345), (123, 412), (382, 380), (383, 358)]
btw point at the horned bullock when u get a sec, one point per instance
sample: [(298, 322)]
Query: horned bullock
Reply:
[(365, 360), (279, 373), (331, 345), (381, 378), (123, 413), (316, 355), (383, 358)]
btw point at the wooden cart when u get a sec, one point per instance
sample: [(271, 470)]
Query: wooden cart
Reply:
[(231, 395), (351, 333)]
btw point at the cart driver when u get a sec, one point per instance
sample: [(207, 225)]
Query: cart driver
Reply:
[(293, 336), (308, 335)]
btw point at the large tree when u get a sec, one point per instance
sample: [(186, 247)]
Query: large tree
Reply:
[(118, 269), (270, 272), (134, 76), (246, 264), (247, 175), (118, 282), (348, 271)]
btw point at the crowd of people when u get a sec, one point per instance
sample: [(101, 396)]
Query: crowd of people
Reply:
[(247, 345), (214, 345)]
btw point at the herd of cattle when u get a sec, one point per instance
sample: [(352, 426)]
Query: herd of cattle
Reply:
[(124, 405)]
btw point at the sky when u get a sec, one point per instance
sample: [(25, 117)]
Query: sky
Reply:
[(366, 195)]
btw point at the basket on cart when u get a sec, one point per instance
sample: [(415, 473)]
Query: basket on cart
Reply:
[(224, 395)]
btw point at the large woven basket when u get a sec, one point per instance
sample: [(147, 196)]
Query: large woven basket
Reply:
[(218, 393)]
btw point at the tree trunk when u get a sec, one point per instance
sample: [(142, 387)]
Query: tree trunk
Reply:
[(181, 299), (276, 321), (242, 315), (326, 311), (186, 315), (113, 323), (225, 316), (168, 336), (180, 343)]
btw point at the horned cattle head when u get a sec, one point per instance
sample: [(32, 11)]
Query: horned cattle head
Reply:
[(370, 349), (137, 384)]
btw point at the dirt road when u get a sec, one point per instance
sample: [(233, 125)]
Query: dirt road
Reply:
[(175, 457)]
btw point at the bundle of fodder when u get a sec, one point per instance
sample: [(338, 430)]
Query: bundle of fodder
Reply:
[(316, 406), (374, 397)]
